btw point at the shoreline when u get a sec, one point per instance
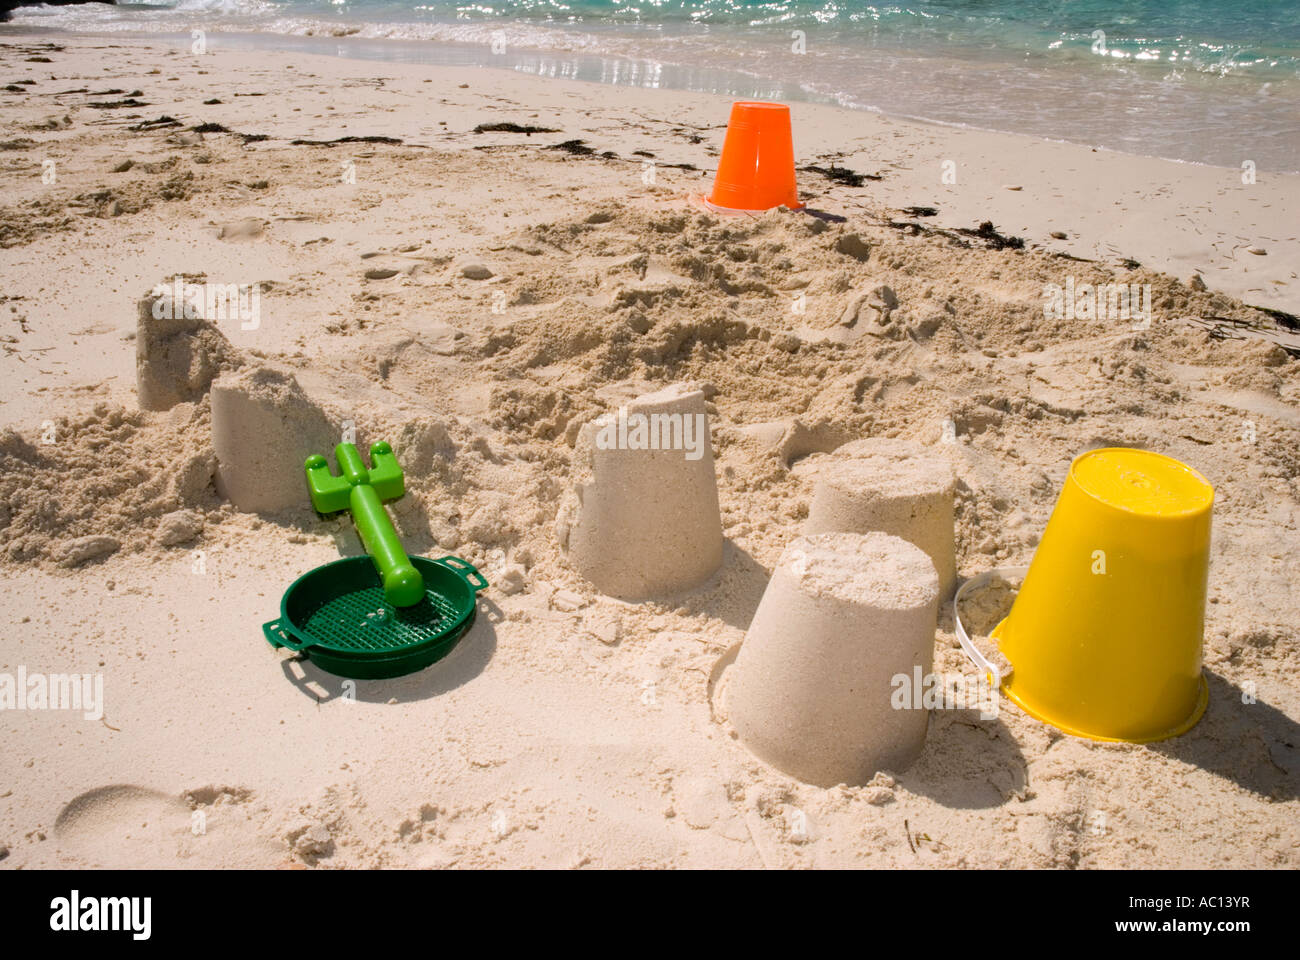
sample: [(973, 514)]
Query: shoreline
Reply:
[(680, 77)]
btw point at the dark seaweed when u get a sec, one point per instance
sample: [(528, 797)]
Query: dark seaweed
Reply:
[(528, 130), (117, 104), (160, 123), (577, 148), (329, 143), (842, 175), (994, 240)]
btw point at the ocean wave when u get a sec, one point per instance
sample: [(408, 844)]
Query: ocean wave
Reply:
[(384, 22)]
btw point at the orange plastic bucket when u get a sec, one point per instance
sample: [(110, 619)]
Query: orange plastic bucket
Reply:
[(756, 171)]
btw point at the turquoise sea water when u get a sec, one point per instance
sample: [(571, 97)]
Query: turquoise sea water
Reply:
[(1215, 82)]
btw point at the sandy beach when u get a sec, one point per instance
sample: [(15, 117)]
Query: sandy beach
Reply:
[(430, 273)]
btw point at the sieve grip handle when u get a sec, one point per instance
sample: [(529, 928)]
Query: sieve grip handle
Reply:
[(465, 570), (992, 670), (277, 636)]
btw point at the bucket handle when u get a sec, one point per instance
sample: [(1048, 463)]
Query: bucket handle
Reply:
[(465, 570), (277, 636), (990, 669)]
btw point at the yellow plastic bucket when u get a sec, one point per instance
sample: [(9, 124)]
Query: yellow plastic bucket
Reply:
[(1104, 637)]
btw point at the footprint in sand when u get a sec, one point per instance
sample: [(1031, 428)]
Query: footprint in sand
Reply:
[(250, 228), (122, 826), (126, 826)]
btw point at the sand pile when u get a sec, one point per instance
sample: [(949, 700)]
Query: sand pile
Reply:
[(719, 312), (111, 480)]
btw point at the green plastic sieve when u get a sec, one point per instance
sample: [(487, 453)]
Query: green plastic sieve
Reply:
[(339, 617)]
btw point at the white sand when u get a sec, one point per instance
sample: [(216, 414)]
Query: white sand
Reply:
[(570, 729)]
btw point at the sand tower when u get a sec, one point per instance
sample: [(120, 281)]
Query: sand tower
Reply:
[(263, 428), (811, 691), (177, 353), (642, 519), (893, 487)]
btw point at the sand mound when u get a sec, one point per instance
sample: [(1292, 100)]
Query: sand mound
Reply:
[(103, 484)]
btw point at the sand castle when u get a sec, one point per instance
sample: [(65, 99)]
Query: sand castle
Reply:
[(810, 690), (263, 427), (178, 353), (263, 424), (642, 519), (893, 487)]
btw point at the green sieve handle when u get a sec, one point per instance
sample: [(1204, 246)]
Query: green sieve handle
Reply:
[(277, 636), (465, 570)]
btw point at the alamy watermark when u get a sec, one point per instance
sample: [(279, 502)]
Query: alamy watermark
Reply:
[(53, 691), (944, 691), (75, 913), (1106, 301), (653, 431), (217, 302)]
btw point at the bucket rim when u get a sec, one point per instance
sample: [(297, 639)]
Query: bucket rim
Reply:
[(743, 211), (1198, 711), (762, 104)]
